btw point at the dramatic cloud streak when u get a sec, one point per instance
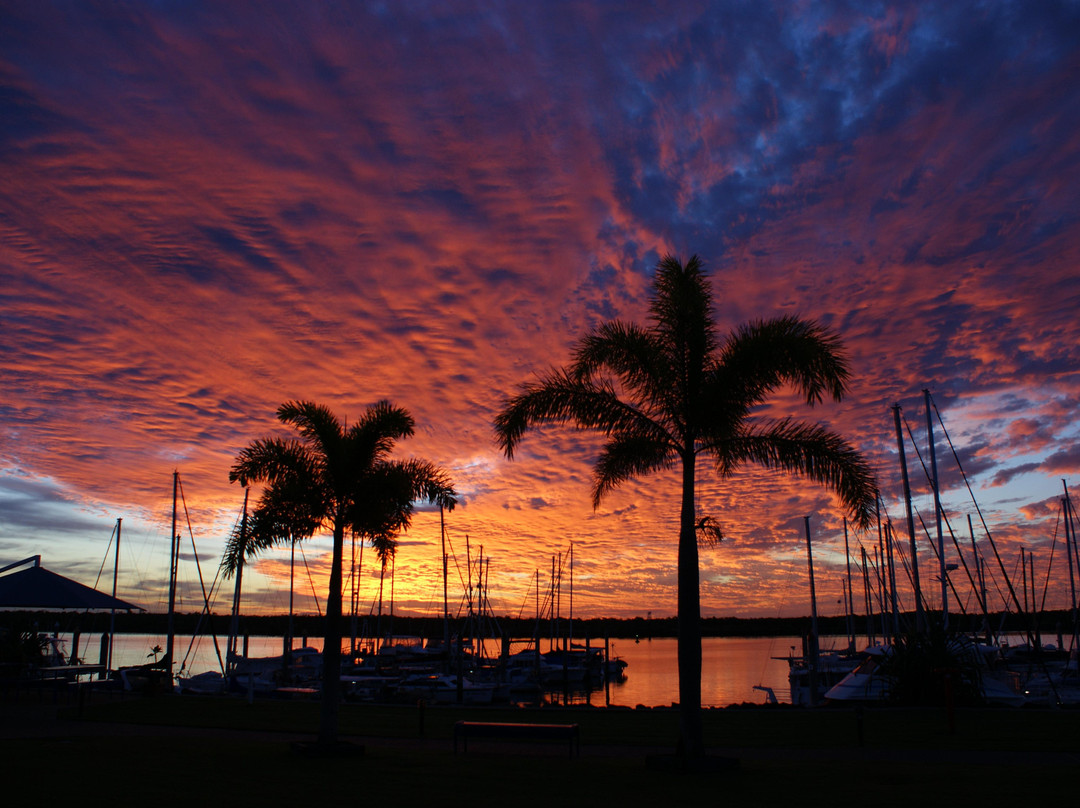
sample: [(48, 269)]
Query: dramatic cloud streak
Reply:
[(208, 210)]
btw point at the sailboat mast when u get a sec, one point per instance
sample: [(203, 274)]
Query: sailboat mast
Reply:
[(813, 650), (353, 594), (558, 604), (551, 607), (850, 598), (882, 572), (112, 612), (1023, 578), (234, 625), (1034, 603), (445, 592), (352, 597), (1070, 547), (480, 602), (920, 615), (890, 537), (868, 598), (570, 625), (292, 588), (942, 570), (174, 557), (468, 570), (981, 582)]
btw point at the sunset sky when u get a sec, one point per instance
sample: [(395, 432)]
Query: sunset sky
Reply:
[(208, 209)]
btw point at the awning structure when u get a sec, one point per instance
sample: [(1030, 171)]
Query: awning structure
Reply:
[(37, 588)]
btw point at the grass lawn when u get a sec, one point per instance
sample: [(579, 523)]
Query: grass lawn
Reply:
[(988, 757)]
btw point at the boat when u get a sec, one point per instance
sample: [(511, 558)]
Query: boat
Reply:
[(445, 689), (830, 669), (300, 667), (871, 681), (576, 665), (615, 669), (863, 683), (1058, 685), (528, 669), (397, 652), (206, 683), (152, 677)]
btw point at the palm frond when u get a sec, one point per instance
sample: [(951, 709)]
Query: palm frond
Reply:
[(374, 434), (292, 508), (681, 297), (559, 398), (761, 355), (245, 542), (626, 456), (268, 459), (385, 497), (806, 450), (385, 546), (236, 548), (429, 483), (626, 350), (288, 509), (316, 423), (708, 531), (721, 408), (681, 310)]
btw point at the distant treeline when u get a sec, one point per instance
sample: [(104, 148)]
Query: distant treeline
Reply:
[(1050, 625)]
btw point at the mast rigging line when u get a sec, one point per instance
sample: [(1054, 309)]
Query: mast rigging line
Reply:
[(944, 516), (105, 558), (952, 586), (1050, 563), (311, 583), (1030, 634), (898, 550), (978, 510), (206, 610), (453, 555)]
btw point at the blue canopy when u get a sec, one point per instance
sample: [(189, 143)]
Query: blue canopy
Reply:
[(37, 588)]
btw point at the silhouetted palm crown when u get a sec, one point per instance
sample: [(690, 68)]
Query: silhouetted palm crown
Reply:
[(664, 393), (337, 475)]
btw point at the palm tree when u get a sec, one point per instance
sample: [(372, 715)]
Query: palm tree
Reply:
[(385, 547), (337, 478), (666, 393)]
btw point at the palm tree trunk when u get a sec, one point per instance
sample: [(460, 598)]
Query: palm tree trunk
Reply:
[(691, 742), (328, 724)]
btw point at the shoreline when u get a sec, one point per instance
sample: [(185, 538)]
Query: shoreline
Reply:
[(1051, 624)]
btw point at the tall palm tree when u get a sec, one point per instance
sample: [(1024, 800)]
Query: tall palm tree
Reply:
[(665, 393), (385, 547), (338, 478)]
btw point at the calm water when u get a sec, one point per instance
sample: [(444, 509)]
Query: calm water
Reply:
[(731, 666)]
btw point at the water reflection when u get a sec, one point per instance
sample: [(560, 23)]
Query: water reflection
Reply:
[(731, 668)]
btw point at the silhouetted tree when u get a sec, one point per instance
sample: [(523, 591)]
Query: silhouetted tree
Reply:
[(337, 478), (666, 393)]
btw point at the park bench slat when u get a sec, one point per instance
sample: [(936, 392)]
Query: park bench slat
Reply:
[(517, 731)]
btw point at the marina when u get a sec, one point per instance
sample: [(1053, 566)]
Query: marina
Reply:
[(735, 671), (733, 666)]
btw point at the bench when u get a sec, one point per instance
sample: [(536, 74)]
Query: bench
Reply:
[(517, 732)]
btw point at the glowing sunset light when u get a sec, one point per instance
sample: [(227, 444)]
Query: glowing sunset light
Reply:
[(207, 211)]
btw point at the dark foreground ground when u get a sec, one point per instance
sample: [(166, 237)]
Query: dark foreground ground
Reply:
[(172, 750)]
